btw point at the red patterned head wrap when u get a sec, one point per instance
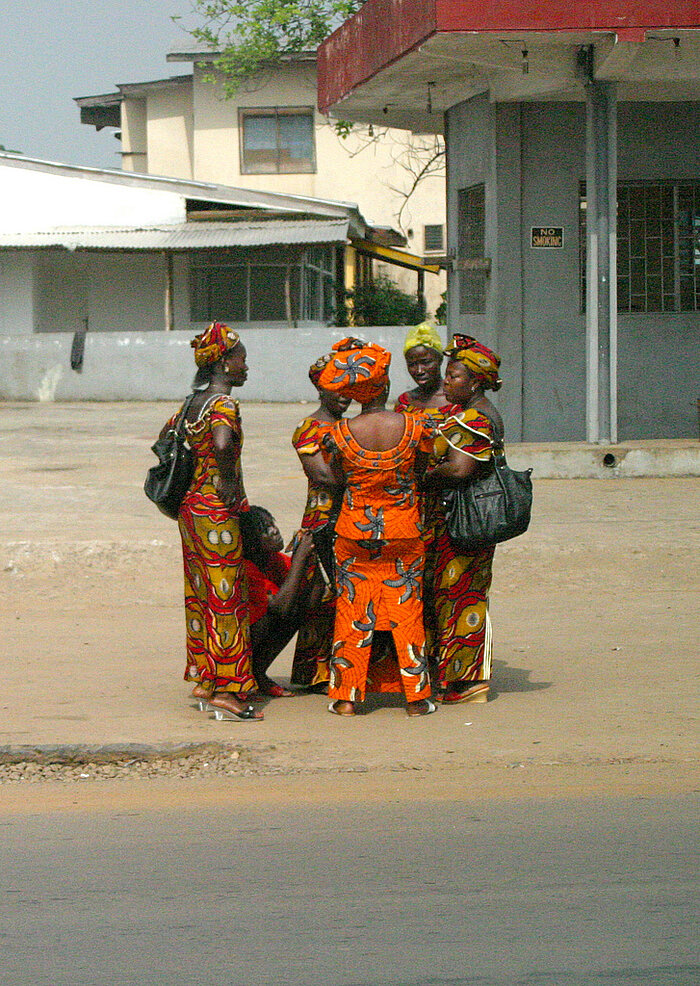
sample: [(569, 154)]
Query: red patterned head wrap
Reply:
[(210, 345), (481, 361), (317, 368), (357, 369)]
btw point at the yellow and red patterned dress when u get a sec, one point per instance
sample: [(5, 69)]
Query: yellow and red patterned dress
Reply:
[(461, 632), (216, 598), (379, 562), (312, 654)]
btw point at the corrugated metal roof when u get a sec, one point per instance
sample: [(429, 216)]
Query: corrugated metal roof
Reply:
[(184, 236)]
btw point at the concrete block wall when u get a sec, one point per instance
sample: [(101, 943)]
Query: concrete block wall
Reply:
[(159, 365)]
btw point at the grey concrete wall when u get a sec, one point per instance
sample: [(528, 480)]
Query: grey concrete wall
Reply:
[(159, 365), (532, 158)]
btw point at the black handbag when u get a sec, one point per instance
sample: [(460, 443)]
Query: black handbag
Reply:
[(171, 477), (490, 508)]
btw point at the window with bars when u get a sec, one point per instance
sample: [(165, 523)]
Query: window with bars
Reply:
[(277, 140), (471, 228), (233, 288), (658, 246), (433, 239)]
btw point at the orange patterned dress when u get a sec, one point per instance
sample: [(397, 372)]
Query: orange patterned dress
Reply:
[(216, 598), (379, 562), (312, 653)]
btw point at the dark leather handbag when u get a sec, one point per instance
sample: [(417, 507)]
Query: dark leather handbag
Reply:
[(490, 508), (171, 477)]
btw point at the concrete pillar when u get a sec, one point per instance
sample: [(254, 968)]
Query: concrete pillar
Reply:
[(601, 261)]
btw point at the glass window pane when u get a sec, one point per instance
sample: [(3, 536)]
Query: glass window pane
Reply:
[(259, 144), (296, 142)]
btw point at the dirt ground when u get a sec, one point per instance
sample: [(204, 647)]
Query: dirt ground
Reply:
[(594, 613)]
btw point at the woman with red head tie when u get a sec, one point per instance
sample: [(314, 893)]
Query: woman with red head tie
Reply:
[(216, 603), (378, 549), (461, 583)]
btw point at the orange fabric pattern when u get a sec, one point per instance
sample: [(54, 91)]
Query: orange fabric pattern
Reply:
[(379, 588), (380, 558), (380, 501)]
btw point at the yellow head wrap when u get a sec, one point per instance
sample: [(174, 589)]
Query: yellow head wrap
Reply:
[(424, 334)]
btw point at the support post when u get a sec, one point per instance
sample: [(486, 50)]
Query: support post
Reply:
[(601, 262), (169, 309)]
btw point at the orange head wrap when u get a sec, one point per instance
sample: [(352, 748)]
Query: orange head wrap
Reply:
[(481, 361), (210, 345), (357, 369)]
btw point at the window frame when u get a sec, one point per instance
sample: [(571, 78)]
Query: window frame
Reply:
[(433, 251), (245, 112), (669, 267)]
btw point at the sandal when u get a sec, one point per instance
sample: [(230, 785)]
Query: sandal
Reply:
[(430, 707), (273, 690), (478, 692), (247, 714), (332, 708)]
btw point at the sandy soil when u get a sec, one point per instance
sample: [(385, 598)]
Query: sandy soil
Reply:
[(594, 612)]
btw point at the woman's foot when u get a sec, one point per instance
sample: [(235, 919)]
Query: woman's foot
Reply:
[(470, 691), (267, 686), (341, 708), (229, 702), (422, 708)]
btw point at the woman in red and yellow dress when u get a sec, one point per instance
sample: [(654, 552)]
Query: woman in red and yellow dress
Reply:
[(216, 603), (312, 653), (379, 551), (461, 583)]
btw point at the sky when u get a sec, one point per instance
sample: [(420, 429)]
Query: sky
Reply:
[(54, 50)]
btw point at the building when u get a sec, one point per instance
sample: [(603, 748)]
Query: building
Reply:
[(106, 275), (270, 136), (573, 193)]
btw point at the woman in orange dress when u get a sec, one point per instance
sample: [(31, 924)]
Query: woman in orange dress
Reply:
[(379, 552), (312, 654), (216, 603), (461, 583)]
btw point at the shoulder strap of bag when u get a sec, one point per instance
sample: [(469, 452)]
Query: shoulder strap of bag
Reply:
[(182, 417), (493, 445)]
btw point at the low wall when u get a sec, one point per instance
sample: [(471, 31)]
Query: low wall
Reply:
[(159, 365)]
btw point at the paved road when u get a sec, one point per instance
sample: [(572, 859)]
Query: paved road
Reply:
[(539, 893)]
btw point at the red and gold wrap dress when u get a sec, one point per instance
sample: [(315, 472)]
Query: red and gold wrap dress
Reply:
[(459, 628), (216, 599), (312, 653), (379, 562)]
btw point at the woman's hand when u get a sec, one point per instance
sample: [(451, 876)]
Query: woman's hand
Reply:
[(228, 491), (305, 546)]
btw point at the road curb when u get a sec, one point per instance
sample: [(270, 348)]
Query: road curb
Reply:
[(65, 754)]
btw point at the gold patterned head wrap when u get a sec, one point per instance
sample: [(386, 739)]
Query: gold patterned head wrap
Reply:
[(357, 369), (424, 334), (210, 345), (481, 361), (317, 368)]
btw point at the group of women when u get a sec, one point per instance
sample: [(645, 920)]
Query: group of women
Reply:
[(372, 585)]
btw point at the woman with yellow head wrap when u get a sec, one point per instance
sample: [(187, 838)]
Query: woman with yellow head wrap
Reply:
[(216, 606), (423, 353), (459, 624)]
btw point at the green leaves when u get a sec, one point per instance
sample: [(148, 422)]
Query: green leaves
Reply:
[(257, 33)]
